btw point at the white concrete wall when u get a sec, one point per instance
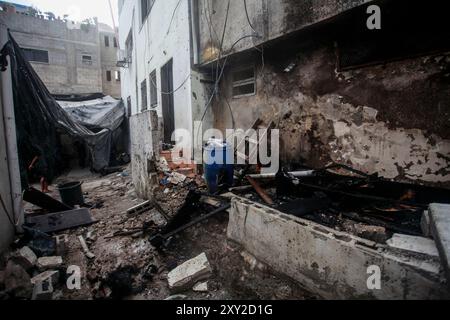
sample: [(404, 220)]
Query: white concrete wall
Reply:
[(154, 45), (10, 189), (331, 263)]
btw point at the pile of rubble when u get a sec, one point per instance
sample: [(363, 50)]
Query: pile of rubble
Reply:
[(31, 276)]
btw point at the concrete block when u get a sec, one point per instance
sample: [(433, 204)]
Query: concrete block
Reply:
[(46, 263), (189, 273), (414, 244), (52, 275), (440, 228), (43, 290), (26, 258)]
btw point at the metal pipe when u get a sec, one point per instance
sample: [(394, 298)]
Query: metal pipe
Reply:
[(297, 174)]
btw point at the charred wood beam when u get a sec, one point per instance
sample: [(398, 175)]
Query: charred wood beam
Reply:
[(261, 192)]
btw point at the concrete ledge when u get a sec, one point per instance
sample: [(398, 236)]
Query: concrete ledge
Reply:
[(440, 230), (330, 263)]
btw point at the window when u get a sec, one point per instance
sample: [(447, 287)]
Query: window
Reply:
[(117, 75), (244, 82), (106, 41), (153, 90), (35, 55), (115, 42), (146, 7), (108, 75), (144, 95), (86, 60)]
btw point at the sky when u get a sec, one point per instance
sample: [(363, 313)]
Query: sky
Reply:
[(77, 10)]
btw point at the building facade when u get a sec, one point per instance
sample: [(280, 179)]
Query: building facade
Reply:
[(66, 55), (337, 90), (159, 86), (108, 57)]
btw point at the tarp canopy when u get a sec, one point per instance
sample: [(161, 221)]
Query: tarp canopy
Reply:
[(40, 118)]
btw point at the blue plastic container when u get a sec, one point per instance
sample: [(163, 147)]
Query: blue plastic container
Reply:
[(219, 161)]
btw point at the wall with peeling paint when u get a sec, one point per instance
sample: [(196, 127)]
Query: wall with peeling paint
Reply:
[(391, 119)]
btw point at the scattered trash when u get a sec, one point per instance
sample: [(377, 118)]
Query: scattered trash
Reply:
[(56, 222), (44, 201), (85, 248)]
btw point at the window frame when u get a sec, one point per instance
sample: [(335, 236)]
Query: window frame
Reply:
[(107, 43), (153, 89), (145, 13), (108, 75), (87, 62), (117, 75), (34, 50), (243, 82)]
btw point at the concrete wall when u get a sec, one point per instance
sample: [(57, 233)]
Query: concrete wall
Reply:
[(145, 138), (65, 73), (388, 118), (109, 62), (330, 263), (164, 35), (6, 228), (270, 19)]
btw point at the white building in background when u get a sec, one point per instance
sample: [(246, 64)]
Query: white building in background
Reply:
[(157, 76)]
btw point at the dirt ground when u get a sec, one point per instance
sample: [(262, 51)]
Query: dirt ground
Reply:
[(128, 267)]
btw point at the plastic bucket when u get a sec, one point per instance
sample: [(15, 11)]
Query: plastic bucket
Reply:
[(219, 161), (71, 193)]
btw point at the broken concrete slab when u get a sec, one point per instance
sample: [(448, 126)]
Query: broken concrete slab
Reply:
[(26, 258), (17, 281), (201, 287), (43, 290), (418, 245), (189, 273), (440, 229), (51, 274), (46, 263)]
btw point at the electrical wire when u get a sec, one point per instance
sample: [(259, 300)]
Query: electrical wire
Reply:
[(173, 16), (248, 17)]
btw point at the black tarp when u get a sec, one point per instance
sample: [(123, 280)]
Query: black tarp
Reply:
[(40, 120)]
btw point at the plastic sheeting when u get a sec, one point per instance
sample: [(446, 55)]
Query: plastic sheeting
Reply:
[(39, 118)]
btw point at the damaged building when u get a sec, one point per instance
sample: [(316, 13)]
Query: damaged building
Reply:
[(349, 97), (71, 58)]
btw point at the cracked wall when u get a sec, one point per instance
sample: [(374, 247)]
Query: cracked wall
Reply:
[(392, 119)]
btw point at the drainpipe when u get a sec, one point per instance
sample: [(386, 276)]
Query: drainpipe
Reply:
[(11, 137)]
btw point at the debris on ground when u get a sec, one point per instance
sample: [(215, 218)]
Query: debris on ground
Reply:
[(189, 273)]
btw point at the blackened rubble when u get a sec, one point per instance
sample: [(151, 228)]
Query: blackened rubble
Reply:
[(363, 205)]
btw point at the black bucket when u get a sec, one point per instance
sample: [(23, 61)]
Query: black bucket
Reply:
[(71, 193)]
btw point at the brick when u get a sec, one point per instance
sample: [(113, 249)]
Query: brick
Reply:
[(189, 273), (46, 263), (26, 258)]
